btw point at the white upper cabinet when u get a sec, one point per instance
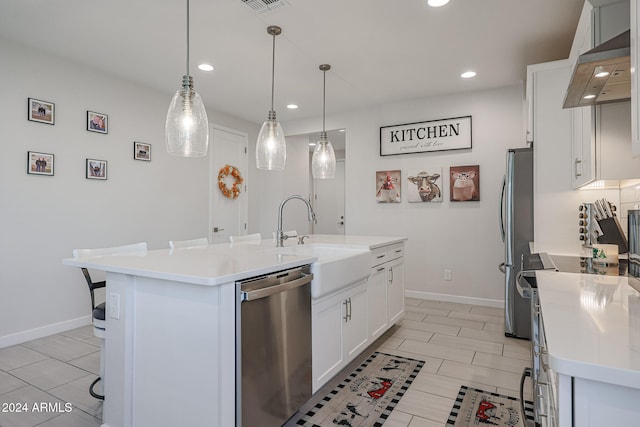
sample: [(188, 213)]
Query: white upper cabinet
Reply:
[(583, 144), (601, 136)]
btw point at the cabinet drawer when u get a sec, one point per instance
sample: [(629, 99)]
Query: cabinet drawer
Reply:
[(379, 256), (395, 251), (386, 253)]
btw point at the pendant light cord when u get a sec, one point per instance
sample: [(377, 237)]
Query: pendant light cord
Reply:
[(273, 69), (187, 37), (324, 96)]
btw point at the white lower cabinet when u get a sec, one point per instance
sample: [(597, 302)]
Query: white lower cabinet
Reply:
[(355, 322), (377, 296), (339, 331), (345, 323), (395, 292)]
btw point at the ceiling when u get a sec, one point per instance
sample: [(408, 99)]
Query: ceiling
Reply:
[(379, 51)]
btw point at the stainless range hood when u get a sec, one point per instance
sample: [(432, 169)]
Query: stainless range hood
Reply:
[(602, 74)]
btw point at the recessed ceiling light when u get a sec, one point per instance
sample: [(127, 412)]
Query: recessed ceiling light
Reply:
[(589, 96), (292, 106), (312, 144), (342, 130), (205, 67), (468, 74), (437, 3), (602, 74)]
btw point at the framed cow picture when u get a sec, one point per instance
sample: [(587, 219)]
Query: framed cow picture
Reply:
[(464, 183), (388, 186), (424, 185)]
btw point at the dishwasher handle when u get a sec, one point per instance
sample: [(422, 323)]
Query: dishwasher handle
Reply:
[(272, 290)]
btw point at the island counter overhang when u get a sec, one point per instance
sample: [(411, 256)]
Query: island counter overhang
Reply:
[(170, 345)]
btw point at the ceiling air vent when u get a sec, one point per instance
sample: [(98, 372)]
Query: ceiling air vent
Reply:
[(264, 6)]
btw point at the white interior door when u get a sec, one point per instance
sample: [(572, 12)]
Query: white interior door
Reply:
[(227, 217), (329, 203)]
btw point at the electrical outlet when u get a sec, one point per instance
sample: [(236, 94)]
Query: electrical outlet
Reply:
[(448, 274), (114, 306)]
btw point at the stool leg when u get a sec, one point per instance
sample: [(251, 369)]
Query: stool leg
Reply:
[(99, 393)]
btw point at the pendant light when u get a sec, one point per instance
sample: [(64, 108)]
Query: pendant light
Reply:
[(187, 126), (271, 148), (323, 161)]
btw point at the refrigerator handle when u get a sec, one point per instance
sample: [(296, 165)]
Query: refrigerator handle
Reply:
[(504, 183)]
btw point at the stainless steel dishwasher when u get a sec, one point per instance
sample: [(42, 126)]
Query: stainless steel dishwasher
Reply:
[(273, 347)]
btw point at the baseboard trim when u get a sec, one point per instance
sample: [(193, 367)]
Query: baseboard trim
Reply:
[(44, 331), (455, 298)]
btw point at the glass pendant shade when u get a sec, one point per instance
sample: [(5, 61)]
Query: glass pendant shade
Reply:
[(323, 160), (271, 148), (187, 125)]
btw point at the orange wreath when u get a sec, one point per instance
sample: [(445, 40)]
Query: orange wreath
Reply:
[(234, 191)]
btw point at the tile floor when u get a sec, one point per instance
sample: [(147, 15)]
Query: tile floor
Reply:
[(461, 344)]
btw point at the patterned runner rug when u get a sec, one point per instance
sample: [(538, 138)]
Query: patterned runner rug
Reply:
[(475, 407), (367, 396)]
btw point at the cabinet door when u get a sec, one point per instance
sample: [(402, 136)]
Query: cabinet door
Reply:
[(583, 146), (326, 340), (377, 297), (583, 143), (355, 323), (395, 290)]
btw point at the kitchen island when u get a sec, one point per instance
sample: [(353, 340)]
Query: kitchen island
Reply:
[(592, 330), (170, 326)]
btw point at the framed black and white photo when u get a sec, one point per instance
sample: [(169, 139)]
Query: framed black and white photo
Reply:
[(96, 169), (142, 151), (40, 163), (97, 122), (41, 111)]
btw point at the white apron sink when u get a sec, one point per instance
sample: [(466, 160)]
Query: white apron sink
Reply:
[(336, 267)]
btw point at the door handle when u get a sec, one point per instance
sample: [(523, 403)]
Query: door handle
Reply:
[(525, 373), (504, 183), (502, 267), (576, 167), (216, 229)]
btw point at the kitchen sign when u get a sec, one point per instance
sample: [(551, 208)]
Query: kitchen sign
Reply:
[(421, 137)]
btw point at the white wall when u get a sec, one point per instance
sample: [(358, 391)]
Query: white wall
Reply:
[(459, 236), (44, 218), (269, 188)]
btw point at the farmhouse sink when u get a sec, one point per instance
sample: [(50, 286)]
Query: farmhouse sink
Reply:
[(337, 266)]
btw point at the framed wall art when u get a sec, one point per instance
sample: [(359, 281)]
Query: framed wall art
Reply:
[(465, 183), (142, 151), (96, 169), (427, 136), (40, 163), (41, 111), (388, 187), (425, 185), (97, 122)]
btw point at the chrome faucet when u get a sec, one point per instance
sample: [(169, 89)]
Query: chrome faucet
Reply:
[(280, 236)]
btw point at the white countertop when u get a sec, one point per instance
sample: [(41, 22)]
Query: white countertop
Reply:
[(222, 263), (592, 326)]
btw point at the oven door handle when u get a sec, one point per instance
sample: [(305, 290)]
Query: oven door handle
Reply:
[(527, 372)]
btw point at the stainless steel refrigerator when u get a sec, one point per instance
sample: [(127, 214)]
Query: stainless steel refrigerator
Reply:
[(516, 228)]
